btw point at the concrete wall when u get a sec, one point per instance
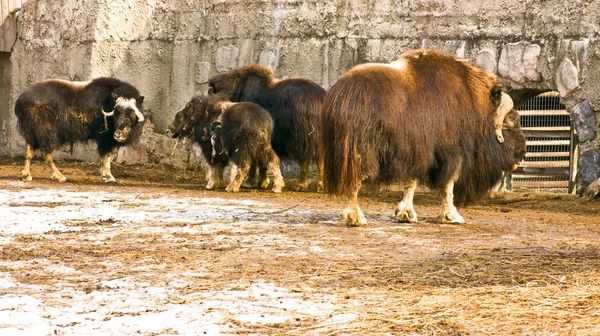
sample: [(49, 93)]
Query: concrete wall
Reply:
[(169, 48)]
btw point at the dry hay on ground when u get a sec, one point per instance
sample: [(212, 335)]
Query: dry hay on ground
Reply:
[(156, 254)]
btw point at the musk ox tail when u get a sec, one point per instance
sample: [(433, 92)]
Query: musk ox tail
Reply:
[(347, 127)]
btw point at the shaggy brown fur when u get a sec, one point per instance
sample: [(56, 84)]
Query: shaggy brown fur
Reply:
[(428, 116), (55, 112), (230, 132), (293, 103)]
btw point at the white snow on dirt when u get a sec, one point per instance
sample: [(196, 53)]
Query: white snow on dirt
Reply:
[(143, 308)]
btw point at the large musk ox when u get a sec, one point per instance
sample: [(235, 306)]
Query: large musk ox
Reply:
[(294, 104), (427, 117), (230, 132), (55, 112)]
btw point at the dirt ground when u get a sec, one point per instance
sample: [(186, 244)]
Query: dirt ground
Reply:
[(156, 254)]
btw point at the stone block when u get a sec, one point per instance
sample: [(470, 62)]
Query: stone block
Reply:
[(567, 78), (227, 58), (518, 61), (486, 59)]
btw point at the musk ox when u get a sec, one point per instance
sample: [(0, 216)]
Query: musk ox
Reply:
[(427, 117), (230, 132), (293, 103), (55, 112)]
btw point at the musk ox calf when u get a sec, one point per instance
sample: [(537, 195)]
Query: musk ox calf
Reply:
[(293, 103), (55, 112), (427, 117), (239, 133)]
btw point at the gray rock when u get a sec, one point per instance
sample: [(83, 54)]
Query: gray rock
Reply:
[(589, 161), (584, 118)]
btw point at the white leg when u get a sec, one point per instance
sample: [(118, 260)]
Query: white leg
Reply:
[(56, 174), (105, 173), (405, 211), (273, 167), (26, 172), (238, 178), (211, 178), (352, 214), (215, 177), (449, 214)]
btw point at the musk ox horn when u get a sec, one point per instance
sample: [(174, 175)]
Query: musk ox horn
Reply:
[(108, 114), (506, 105), (140, 116)]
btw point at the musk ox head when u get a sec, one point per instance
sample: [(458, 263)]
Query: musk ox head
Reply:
[(126, 115), (196, 118)]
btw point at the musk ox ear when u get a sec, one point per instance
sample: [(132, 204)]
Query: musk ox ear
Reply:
[(496, 94), (114, 96)]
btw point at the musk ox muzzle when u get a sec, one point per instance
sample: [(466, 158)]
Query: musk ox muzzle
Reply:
[(126, 114)]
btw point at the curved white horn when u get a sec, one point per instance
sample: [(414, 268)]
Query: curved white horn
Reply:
[(506, 105), (139, 115), (108, 114)]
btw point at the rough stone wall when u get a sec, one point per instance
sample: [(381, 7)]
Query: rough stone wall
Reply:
[(169, 48)]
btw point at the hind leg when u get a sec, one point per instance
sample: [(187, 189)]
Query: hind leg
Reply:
[(273, 168), (236, 182), (449, 214), (302, 185), (26, 172), (252, 179), (320, 167), (405, 211), (263, 175), (56, 174), (352, 214), (105, 173)]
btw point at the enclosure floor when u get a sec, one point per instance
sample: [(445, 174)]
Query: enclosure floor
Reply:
[(156, 254)]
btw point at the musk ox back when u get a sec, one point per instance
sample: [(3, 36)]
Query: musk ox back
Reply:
[(427, 117), (293, 103), (55, 112)]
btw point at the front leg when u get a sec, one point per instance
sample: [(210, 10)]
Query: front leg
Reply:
[(405, 211), (105, 173), (215, 177)]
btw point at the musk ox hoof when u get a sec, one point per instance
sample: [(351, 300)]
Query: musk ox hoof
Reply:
[(405, 213), (109, 179), (301, 186), (25, 176), (59, 177), (320, 187), (264, 184), (354, 218), (451, 217), (231, 188)]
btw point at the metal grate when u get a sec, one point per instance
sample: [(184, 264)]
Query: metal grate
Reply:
[(548, 165)]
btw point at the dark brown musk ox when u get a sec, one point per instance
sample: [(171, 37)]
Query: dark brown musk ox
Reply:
[(294, 104), (427, 117), (54, 112), (226, 132)]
